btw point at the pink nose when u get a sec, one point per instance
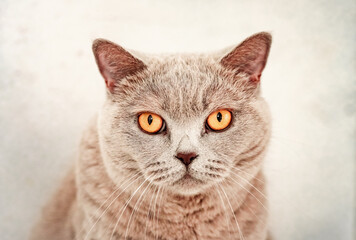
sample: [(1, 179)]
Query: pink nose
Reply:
[(187, 158)]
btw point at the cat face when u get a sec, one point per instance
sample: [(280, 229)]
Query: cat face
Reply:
[(184, 122)]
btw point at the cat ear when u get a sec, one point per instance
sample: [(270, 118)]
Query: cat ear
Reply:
[(250, 56), (114, 62)]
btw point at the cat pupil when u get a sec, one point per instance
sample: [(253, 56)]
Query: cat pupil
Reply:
[(219, 116), (149, 119)]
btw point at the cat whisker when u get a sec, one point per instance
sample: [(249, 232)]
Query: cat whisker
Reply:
[(122, 210), (249, 193), (92, 227), (251, 211), (155, 208), (212, 175), (233, 213), (153, 164), (161, 178), (226, 217), (250, 185), (164, 177), (149, 209), (249, 174), (218, 162), (153, 172), (215, 169), (134, 208), (159, 208)]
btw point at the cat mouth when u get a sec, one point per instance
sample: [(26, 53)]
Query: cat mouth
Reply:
[(187, 180), (187, 176)]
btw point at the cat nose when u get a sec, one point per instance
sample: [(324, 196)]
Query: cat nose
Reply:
[(187, 158)]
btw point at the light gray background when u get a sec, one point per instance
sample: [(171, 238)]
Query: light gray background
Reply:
[(50, 87)]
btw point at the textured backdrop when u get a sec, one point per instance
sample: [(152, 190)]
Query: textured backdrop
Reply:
[(50, 87)]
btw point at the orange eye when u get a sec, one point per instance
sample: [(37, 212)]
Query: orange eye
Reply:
[(219, 120), (150, 122)]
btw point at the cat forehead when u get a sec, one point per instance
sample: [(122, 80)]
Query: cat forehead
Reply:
[(184, 68), (183, 87)]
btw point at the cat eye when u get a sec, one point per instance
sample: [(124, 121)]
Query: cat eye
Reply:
[(150, 122), (219, 120)]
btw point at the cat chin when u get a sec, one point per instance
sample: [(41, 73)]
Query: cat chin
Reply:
[(188, 185), (186, 191)]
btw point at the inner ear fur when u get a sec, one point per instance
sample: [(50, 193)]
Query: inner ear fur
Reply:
[(250, 57), (114, 62)]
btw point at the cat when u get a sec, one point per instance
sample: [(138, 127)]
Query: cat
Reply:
[(176, 151)]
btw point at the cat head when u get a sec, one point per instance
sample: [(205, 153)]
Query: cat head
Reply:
[(184, 122)]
